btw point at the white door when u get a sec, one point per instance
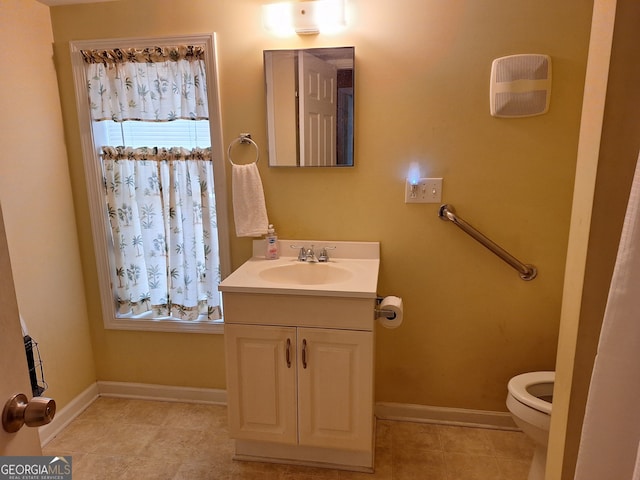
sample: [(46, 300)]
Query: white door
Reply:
[(261, 382), (318, 84), (335, 388), (14, 373)]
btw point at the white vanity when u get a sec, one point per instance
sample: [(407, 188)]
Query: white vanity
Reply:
[(299, 340)]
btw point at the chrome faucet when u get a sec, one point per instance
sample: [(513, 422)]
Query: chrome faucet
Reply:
[(306, 254), (309, 255)]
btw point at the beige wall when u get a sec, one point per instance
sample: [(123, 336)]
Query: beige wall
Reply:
[(422, 74), (35, 193)]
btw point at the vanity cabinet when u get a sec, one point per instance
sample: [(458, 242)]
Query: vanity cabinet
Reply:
[(335, 388), (261, 383), (300, 379), (306, 386)]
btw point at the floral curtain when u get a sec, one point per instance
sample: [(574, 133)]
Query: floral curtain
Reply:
[(154, 84), (161, 208)]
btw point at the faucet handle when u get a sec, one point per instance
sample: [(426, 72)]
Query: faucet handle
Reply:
[(324, 256), (302, 254)]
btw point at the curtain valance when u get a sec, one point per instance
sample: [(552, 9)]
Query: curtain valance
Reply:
[(155, 153), (144, 55), (156, 84)]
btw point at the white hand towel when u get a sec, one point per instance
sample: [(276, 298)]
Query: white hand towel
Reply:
[(249, 208)]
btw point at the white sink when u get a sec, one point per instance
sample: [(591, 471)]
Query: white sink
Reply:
[(352, 271), (306, 274)]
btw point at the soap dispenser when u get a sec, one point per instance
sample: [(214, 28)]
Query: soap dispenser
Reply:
[(272, 244)]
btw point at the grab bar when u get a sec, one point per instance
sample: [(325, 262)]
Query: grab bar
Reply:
[(527, 272)]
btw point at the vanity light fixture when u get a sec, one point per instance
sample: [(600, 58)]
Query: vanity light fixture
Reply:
[(304, 18)]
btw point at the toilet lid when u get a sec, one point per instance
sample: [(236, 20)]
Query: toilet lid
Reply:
[(519, 388)]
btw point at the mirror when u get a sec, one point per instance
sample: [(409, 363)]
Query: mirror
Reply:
[(310, 107)]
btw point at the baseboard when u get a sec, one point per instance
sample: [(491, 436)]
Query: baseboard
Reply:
[(383, 410), (444, 416), (66, 415), (167, 393)]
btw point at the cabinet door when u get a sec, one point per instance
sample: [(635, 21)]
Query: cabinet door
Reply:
[(261, 382), (335, 388)]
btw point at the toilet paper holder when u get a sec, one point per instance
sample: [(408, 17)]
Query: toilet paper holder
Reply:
[(19, 411), (381, 312)]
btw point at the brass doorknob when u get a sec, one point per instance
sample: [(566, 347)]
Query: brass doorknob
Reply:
[(19, 411)]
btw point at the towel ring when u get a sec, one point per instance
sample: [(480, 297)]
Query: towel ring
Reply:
[(243, 138)]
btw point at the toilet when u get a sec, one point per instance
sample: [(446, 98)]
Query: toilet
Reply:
[(529, 401)]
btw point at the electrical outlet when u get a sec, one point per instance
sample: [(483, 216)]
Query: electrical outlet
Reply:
[(427, 190)]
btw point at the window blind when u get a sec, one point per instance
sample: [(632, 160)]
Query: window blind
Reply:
[(177, 133)]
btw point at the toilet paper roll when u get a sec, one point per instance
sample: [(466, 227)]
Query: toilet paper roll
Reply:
[(391, 304)]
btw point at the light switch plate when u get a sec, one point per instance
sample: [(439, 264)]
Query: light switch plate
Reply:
[(427, 190)]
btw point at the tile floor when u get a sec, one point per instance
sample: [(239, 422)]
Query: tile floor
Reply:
[(139, 439)]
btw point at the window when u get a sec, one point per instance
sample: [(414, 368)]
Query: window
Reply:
[(178, 133), (154, 164)]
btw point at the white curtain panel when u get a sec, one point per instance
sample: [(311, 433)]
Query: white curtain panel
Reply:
[(162, 216), (611, 429)]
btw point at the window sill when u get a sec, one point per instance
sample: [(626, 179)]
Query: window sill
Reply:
[(165, 325)]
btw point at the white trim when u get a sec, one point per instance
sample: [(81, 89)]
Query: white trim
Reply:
[(93, 177), (141, 391), (444, 416), (166, 325), (271, 452), (167, 393), (66, 415), (402, 412)]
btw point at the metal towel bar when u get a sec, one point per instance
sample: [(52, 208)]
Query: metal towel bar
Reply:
[(527, 272)]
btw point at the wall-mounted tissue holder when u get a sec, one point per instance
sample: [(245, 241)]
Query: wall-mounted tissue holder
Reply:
[(389, 311)]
